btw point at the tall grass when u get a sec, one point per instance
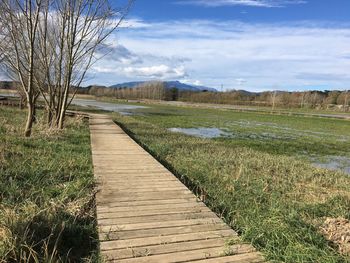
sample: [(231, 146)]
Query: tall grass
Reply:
[(273, 200), (46, 192)]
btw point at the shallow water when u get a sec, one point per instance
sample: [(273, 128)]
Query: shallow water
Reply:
[(126, 113), (216, 133), (285, 131), (121, 108), (11, 95), (202, 132), (335, 163)]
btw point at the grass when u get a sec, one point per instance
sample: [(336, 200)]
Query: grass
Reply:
[(46, 193), (263, 186)]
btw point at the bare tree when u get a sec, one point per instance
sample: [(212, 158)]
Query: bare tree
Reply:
[(273, 99), (72, 35), (49, 45), (346, 100), (19, 21)]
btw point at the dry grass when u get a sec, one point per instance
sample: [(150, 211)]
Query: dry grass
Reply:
[(337, 230)]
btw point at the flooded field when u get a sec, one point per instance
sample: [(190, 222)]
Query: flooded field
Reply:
[(336, 163), (277, 176), (202, 132), (220, 133), (124, 109), (325, 143)]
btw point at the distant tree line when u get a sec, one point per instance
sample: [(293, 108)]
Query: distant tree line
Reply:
[(157, 91), (151, 90), (306, 99)]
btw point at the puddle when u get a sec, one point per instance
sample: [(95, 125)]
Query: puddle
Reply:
[(120, 108), (131, 113), (202, 132), (216, 133), (333, 163), (126, 113), (289, 132)]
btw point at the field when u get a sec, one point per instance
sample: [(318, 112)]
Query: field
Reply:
[(46, 193), (259, 171), (260, 174)]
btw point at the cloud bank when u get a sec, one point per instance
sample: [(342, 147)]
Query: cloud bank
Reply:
[(252, 56)]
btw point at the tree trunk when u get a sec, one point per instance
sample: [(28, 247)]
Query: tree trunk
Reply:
[(61, 120), (30, 118), (49, 117), (63, 109)]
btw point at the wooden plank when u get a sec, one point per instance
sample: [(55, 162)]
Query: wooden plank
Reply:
[(147, 241), (253, 257), (133, 203), (116, 189), (192, 255), (164, 248), (111, 215), (155, 218), (122, 234), (133, 178), (146, 195), (158, 207), (137, 181), (108, 198), (164, 224), (143, 188)]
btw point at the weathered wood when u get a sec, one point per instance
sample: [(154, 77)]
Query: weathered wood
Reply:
[(191, 255), (154, 225), (165, 248), (120, 235), (157, 207), (140, 242), (170, 211), (145, 214), (253, 257)]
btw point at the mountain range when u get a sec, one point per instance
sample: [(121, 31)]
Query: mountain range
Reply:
[(167, 84)]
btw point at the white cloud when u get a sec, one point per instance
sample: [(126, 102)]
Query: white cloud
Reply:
[(118, 53), (265, 56), (149, 72), (159, 72), (192, 82), (253, 3)]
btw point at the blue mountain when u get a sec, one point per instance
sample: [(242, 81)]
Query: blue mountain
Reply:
[(167, 84)]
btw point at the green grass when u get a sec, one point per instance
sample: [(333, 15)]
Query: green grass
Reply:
[(46, 193), (263, 186)]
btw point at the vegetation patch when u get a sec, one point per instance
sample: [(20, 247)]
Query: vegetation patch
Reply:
[(337, 230), (46, 192)]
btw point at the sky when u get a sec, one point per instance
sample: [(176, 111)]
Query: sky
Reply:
[(254, 45)]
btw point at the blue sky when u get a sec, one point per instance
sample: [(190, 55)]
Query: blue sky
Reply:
[(240, 44)]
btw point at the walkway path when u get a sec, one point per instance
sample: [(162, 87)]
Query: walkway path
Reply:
[(145, 214)]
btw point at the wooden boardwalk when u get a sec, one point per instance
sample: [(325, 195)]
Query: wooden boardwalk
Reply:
[(145, 214)]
